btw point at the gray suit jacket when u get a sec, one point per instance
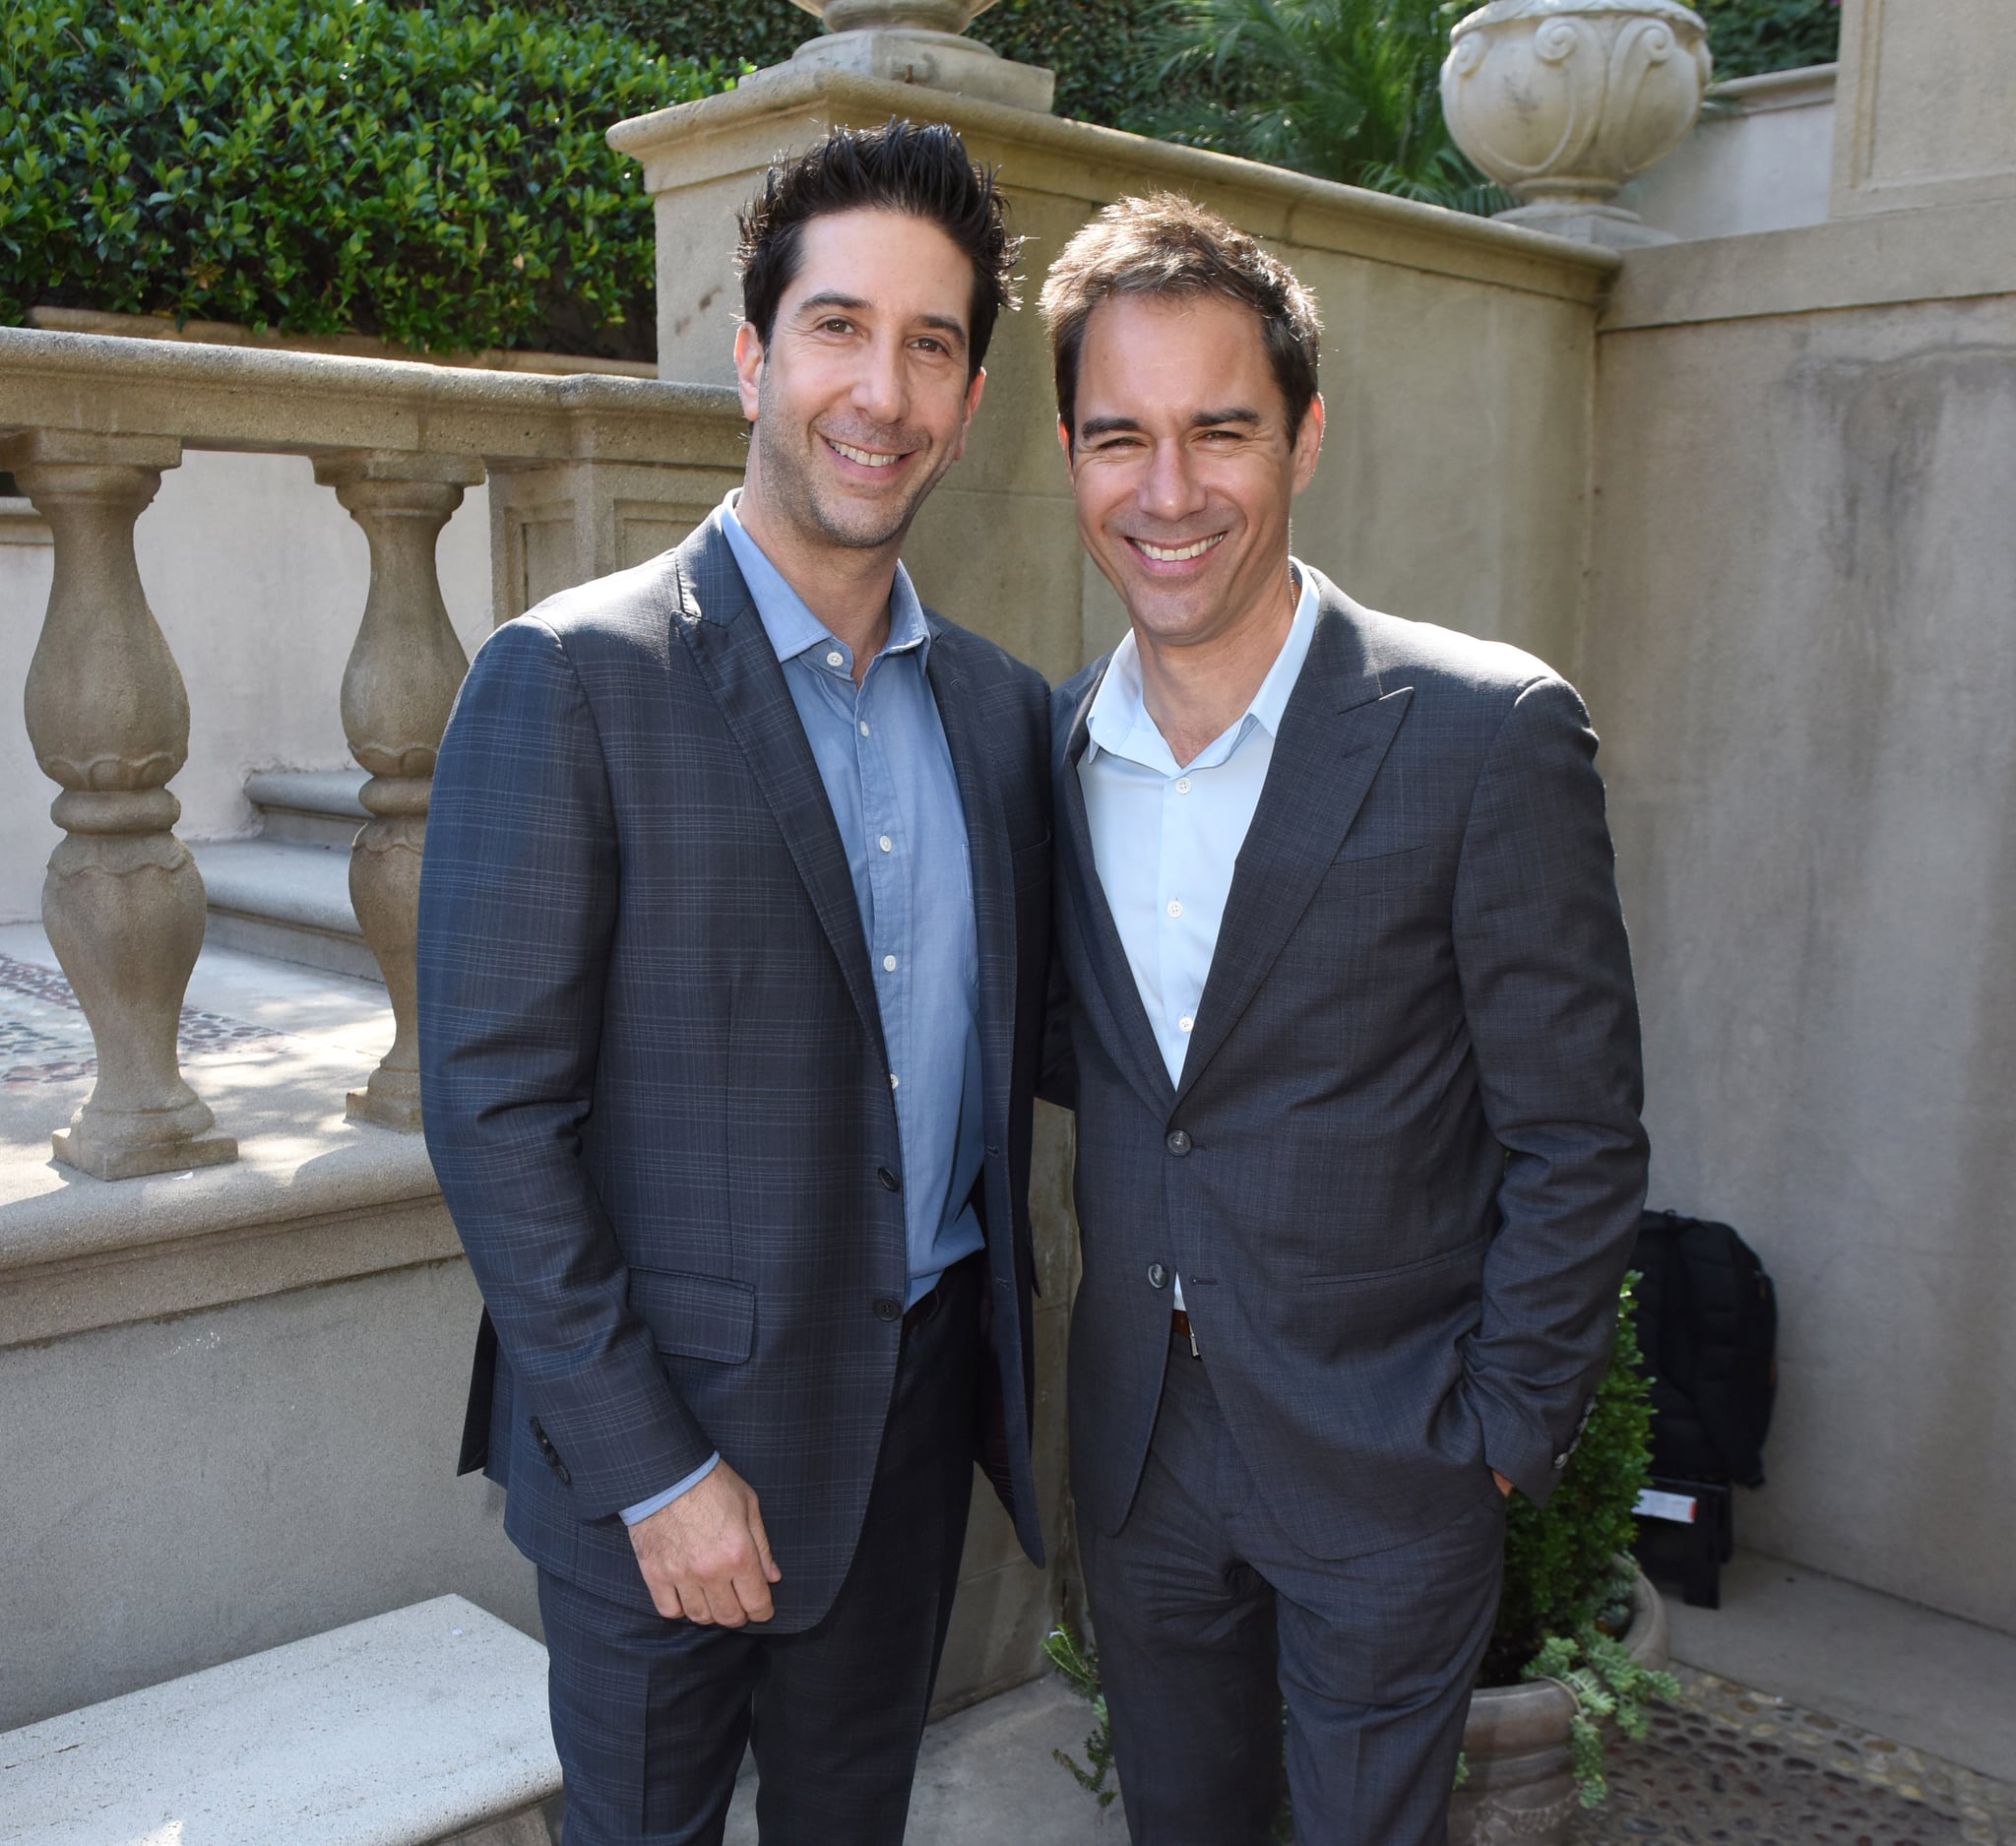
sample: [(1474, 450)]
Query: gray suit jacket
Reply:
[(1401, 1174), (655, 1087)]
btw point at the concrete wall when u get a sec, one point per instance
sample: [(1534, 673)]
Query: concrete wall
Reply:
[(183, 1490), (1799, 653), (257, 577), (1761, 158)]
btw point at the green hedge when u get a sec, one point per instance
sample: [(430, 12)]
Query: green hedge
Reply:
[(1751, 37), (435, 174), (1099, 48)]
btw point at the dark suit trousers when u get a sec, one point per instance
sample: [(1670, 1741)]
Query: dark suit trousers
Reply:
[(650, 1717), (1208, 1616)]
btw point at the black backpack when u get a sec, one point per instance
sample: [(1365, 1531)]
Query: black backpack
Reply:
[(1708, 1324)]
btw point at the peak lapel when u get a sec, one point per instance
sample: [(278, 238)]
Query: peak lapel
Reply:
[(993, 875), (717, 621), (1114, 998), (1334, 735)]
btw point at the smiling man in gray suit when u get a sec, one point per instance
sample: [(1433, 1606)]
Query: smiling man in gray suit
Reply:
[(733, 931), (1354, 1056)]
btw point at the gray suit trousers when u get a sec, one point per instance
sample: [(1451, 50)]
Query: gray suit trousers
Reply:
[(1210, 1617)]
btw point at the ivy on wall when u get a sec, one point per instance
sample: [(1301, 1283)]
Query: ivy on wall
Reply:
[(436, 174)]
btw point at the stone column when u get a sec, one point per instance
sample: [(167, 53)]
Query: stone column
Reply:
[(398, 689), (109, 721), (1923, 111)]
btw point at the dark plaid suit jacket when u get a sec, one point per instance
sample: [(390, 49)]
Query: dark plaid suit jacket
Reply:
[(654, 1088), (1401, 1172)]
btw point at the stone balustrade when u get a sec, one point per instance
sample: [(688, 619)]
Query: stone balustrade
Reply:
[(587, 474)]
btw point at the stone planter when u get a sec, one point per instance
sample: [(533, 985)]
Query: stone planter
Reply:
[(1521, 1783), (1563, 101), (920, 41)]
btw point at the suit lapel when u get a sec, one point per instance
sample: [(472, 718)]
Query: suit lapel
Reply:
[(1335, 733), (1088, 912), (719, 623), (993, 872)]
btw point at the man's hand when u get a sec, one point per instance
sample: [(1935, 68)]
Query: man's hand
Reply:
[(1504, 1486), (705, 1556)]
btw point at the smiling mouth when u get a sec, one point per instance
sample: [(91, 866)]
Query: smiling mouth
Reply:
[(866, 457), (1176, 553)]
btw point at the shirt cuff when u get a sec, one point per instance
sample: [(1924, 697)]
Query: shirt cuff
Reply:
[(646, 1507)]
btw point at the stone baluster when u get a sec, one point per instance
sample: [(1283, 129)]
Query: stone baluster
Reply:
[(108, 719), (398, 689)]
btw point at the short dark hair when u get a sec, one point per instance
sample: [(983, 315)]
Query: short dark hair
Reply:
[(901, 166), (1170, 245)]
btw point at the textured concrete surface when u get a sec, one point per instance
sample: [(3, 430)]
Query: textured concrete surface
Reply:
[(392, 1732), (1889, 1666), (1761, 160), (1927, 120), (1797, 656), (986, 1778)]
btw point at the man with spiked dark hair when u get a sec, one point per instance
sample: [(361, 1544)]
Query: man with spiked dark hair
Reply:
[(733, 931)]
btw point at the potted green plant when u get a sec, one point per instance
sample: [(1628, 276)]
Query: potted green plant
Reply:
[(1579, 1646)]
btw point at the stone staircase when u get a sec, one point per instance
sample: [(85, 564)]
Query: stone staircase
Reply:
[(285, 891)]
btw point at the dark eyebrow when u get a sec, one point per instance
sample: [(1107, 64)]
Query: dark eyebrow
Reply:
[(1204, 419), (833, 298), (853, 304)]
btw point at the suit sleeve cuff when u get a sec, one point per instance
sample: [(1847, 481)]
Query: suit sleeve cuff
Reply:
[(646, 1507)]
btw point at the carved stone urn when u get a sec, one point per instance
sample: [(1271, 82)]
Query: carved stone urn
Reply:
[(1563, 101), (921, 41)]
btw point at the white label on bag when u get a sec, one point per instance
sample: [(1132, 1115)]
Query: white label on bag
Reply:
[(1678, 1508)]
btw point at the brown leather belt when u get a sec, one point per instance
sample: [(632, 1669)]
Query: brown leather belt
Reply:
[(1179, 1329)]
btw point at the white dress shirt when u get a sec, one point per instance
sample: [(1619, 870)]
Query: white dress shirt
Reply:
[(1165, 835)]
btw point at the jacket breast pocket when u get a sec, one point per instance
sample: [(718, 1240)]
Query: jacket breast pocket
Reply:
[(696, 1317)]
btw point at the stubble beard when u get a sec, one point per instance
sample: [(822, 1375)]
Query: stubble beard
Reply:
[(790, 484)]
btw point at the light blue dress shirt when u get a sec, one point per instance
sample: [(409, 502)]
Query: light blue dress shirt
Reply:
[(881, 752), (1165, 835)]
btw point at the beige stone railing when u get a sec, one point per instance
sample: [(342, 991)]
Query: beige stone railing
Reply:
[(587, 473)]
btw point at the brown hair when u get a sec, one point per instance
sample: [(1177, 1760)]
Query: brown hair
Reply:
[(1170, 245), (901, 166)]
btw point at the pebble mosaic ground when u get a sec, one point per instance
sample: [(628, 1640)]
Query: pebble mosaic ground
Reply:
[(43, 1036), (1729, 1764)]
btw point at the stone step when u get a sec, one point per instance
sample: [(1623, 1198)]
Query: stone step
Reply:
[(309, 806), (286, 892), (284, 899), (424, 1726)]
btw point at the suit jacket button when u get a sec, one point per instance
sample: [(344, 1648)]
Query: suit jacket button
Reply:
[(889, 1180), (888, 1309), (1178, 1141), (1158, 1276)]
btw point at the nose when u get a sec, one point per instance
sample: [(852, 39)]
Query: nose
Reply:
[(1171, 489), (881, 389)]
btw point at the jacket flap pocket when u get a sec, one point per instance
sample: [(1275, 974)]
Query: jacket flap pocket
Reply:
[(699, 1317)]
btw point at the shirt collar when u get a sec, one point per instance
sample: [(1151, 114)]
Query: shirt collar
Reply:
[(793, 628), (1119, 720)]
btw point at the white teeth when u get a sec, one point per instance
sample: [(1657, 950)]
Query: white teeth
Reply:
[(1162, 554), (862, 456)]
